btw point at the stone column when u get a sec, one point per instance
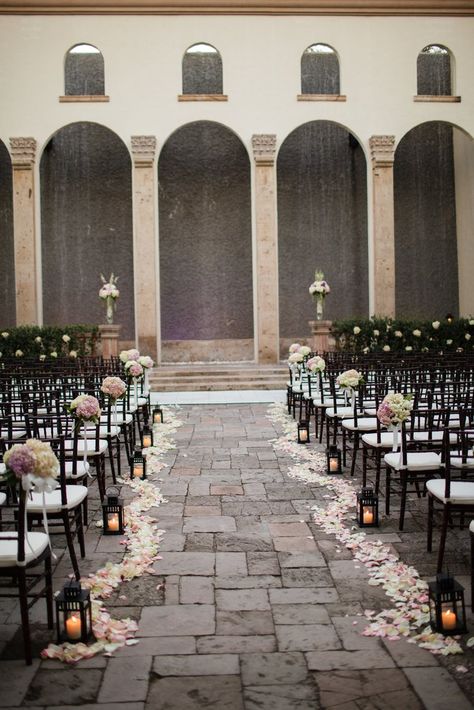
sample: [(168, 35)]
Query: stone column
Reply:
[(267, 345), (382, 151), (23, 152), (145, 252)]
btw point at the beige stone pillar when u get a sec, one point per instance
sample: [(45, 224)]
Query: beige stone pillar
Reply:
[(23, 151), (145, 253), (267, 345), (382, 151)]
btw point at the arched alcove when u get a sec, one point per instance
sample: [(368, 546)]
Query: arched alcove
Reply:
[(322, 223), (84, 71), (320, 70), (205, 244), (433, 192), (86, 225), (202, 70), (434, 71), (7, 259)]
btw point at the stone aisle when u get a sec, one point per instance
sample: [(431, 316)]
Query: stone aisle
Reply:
[(255, 607)]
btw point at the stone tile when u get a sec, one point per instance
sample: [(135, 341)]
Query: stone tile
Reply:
[(200, 563), (377, 688), (213, 664), (436, 687), (198, 488), (196, 590), (349, 660), (168, 523), (409, 654), (278, 530), (333, 550), (306, 577), (201, 511), (19, 678), (273, 668), (307, 637), (263, 563), (160, 646), (172, 542), (177, 620), (303, 596), (254, 489), (195, 693), (254, 581), (226, 490), (350, 630), (218, 523), (292, 544), (172, 508), (300, 614), (242, 599), (236, 644), (199, 542), (185, 471), (244, 623), (300, 696), (243, 542), (53, 687), (245, 508), (174, 488), (231, 563), (103, 706), (125, 679), (277, 491), (300, 559)]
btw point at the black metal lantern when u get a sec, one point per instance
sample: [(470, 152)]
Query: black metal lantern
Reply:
[(303, 431), (157, 415), (112, 513), (74, 614), (146, 437), (367, 508), (334, 459), (447, 609), (138, 464)]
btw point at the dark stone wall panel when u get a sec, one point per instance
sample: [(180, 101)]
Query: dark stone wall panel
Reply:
[(322, 223), (319, 73), (7, 255), (86, 217), (205, 235), (425, 223)]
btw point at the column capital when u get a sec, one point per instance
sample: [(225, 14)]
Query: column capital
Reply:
[(23, 152), (264, 148), (143, 151), (382, 149)]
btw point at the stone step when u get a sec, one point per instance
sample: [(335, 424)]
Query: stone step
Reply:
[(224, 385), (219, 377)]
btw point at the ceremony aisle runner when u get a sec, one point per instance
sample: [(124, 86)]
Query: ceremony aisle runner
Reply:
[(409, 616), (141, 540)]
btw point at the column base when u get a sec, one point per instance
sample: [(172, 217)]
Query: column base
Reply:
[(321, 336), (109, 335)]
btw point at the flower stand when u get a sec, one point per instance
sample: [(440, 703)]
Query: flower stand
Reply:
[(321, 341), (109, 335)]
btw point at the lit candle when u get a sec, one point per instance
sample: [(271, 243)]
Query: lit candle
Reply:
[(73, 627), (157, 418), (368, 516), (138, 471), (146, 441), (303, 435), (448, 619), (334, 465), (113, 521)]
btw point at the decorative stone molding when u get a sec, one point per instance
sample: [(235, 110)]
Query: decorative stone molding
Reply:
[(264, 148), (202, 97), (321, 97), (23, 152), (143, 151), (382, 149)]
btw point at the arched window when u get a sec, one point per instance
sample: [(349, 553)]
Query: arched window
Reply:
[(84, 71), (433, 71), (320, 70), (202, 70)]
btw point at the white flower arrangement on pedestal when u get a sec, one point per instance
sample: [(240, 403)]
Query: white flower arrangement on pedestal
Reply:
[(319, 290), (109, 293)]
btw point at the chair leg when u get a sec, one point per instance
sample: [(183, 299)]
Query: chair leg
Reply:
[(403, 500), (321, 428), (48, 574), (25, 621), (70, 543), (110, 450), (80, 531), (429, 538), (378, 466), (355, 448), (442, 542), (387, 491), (472, 572)]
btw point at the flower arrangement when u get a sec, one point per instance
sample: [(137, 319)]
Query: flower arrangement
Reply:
[(114, 388), (316, 364), (146, 361), (35, 340), (133, 369), (295, 358), (109, 293), (33, 464), (350, 379), (319, 290), (294, 348), (85, 408), (394, 409), (127, 355)]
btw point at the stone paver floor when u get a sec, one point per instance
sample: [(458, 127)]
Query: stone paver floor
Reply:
[(257, 608)]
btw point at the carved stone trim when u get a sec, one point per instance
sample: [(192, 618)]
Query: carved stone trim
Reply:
[(143, 151), (382, 149), (23, 152), (264, 148)]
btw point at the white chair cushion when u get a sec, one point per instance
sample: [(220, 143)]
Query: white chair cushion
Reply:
[(91, 451), (419, 460), (3, 468), (363, 424), (435, 436), (370, 411), (461, 491), (120, 419), (82, 469), (74, 494), (456, 462), (3, 498), (386, 440), (471, 527), (103, 431), (341, 412), (9, 548)]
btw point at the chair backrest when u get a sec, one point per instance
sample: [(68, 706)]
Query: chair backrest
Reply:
[(461, 449)]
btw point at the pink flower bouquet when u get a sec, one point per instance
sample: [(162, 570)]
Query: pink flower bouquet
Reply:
[(113, 387), (133, 369), (29, 461), (394, 409), (86, 408)]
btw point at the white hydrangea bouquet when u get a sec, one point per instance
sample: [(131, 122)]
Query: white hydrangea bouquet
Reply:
[(319, 290)]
